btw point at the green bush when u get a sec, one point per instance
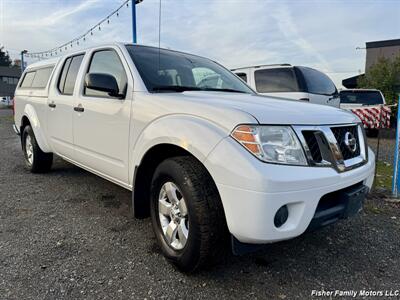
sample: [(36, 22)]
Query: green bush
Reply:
[(384, 76)]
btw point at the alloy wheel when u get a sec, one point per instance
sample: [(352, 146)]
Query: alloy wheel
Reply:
[(29, 149), (173, 214)]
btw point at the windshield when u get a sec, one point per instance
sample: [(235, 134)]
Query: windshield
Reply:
[(361, 97), (317, 82), (170, 71)]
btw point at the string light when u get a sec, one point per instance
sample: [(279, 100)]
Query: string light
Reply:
[(82, 37)]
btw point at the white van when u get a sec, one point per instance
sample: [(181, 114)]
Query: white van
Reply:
[(291, 82)]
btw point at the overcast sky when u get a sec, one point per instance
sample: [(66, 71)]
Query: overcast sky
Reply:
[(320, 34)]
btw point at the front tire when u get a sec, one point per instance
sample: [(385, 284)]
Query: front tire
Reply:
[(36, 160), (187, 215)]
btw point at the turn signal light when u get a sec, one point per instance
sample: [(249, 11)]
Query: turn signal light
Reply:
[(246, 135)]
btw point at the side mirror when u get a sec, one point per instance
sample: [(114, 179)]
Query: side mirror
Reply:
[(102, 82)]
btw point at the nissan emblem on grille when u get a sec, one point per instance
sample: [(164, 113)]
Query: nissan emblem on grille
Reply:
[(341, 147), (350, 142)]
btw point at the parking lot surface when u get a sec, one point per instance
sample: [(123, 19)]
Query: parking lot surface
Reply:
[(69, 234)]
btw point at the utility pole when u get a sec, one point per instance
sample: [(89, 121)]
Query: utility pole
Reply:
[(22, 60), (134, 36)]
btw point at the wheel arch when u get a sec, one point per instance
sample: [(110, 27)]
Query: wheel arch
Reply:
[(31, 118), (24, 122), (143, 175), (168, 136)]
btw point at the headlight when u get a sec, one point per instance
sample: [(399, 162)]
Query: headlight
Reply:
[(274, 144)]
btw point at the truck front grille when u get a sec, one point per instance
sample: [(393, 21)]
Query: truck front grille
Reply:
[(312, 143), (339, 133), (341, 146)]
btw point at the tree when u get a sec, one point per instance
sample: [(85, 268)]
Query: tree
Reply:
[(384, 75), (4, 58)]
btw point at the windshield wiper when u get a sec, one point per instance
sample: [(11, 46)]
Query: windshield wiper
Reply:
[(175, 88), (223, 90), (180, 88)]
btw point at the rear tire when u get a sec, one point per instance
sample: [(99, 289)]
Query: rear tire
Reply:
[(36, 160), (199, 228)]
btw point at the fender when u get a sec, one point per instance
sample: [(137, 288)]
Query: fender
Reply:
[(30, 113), (196, 135)]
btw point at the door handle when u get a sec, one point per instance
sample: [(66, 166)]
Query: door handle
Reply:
[(79, 108), (52, 105)]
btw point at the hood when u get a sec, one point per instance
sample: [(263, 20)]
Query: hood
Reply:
[(271, 110)]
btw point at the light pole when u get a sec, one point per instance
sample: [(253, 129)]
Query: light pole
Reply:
[(396, 164), (22, 60), (134, 36)]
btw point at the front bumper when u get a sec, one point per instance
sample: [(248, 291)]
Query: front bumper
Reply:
[(252, 192), (339, 205)]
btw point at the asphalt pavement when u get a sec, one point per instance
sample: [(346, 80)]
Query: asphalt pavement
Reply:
[(69, 234)]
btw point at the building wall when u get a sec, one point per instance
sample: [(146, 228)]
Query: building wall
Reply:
[(7, 87), (373, 54), (379, 49)]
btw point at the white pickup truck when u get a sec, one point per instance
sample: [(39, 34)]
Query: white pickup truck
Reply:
[(209, 164)]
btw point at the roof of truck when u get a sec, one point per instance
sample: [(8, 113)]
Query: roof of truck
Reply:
[(43, 63), (54, 60)]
